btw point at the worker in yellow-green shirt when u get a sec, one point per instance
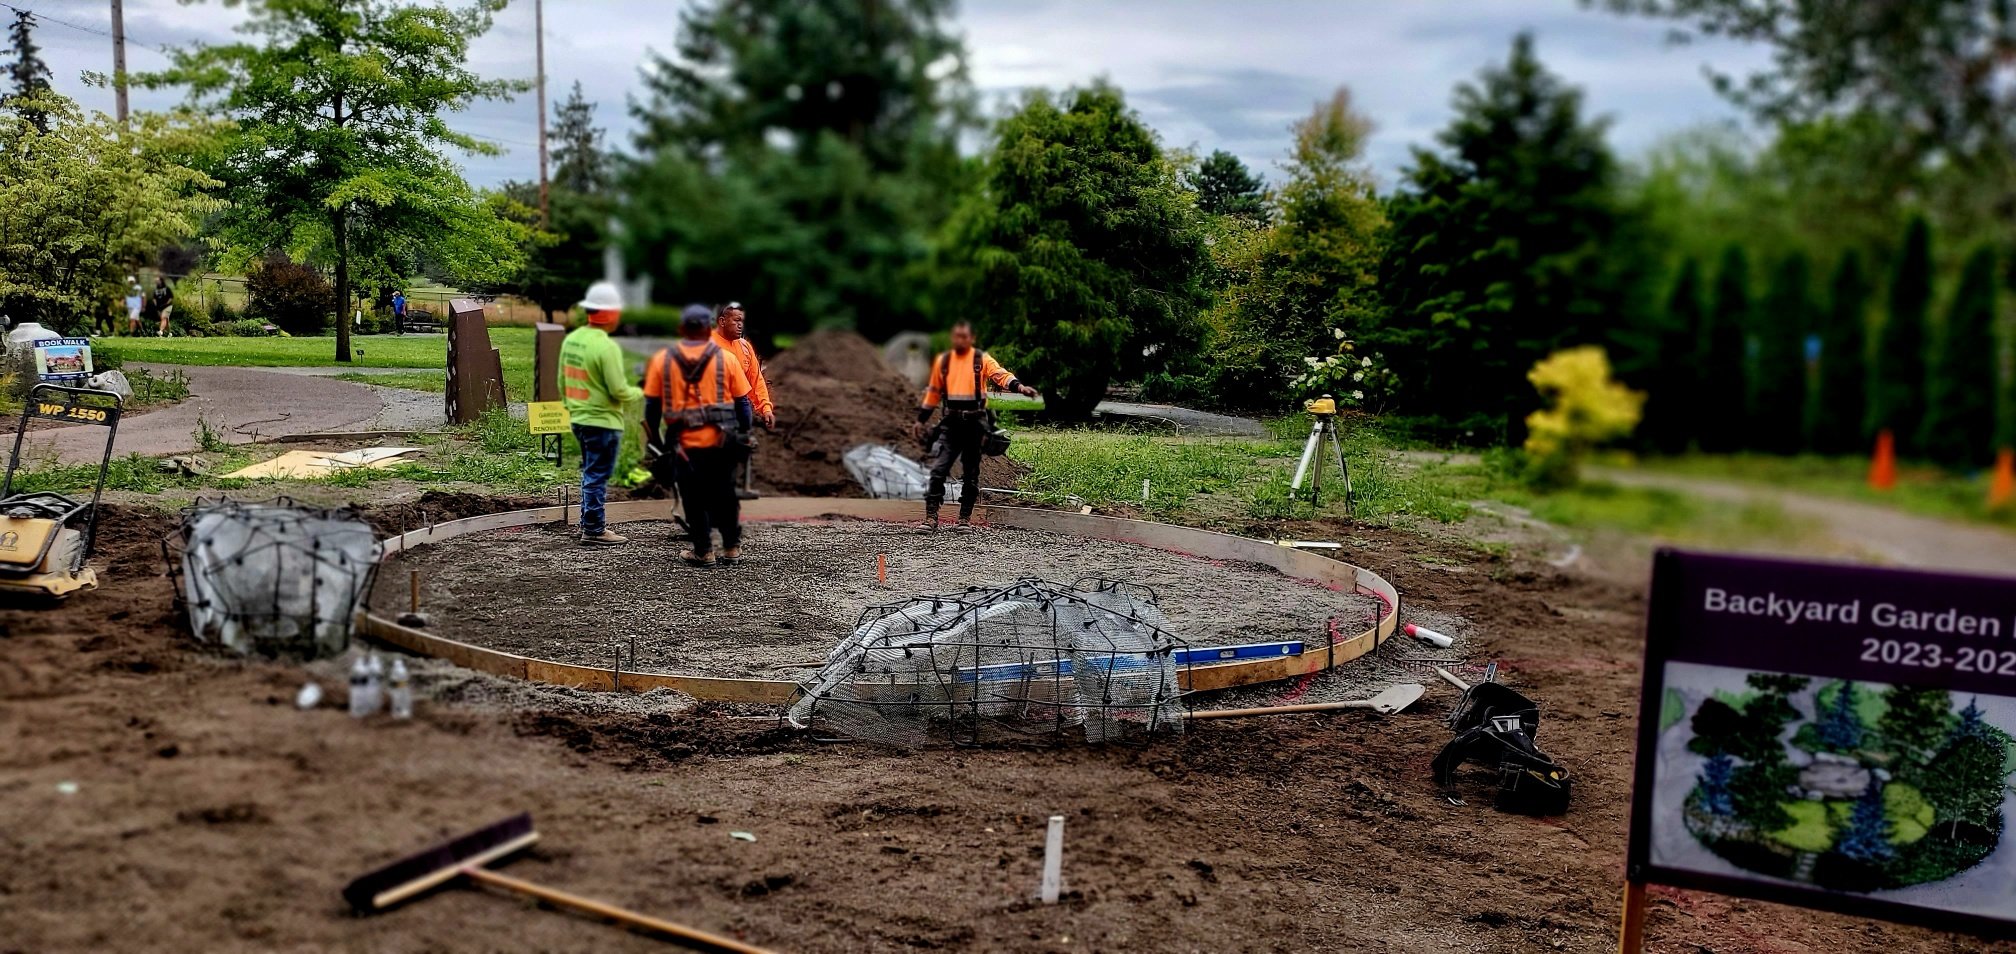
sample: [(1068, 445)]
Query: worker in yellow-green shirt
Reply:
[(595, 385)]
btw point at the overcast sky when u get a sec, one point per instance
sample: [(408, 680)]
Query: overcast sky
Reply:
[(1207, 75)]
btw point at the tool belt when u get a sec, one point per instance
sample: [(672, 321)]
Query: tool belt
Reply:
[(694, 414), (1495, 726)]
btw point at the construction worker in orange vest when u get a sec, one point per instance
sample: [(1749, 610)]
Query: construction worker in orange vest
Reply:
[(959, 381), (697, 409), (730, 327)]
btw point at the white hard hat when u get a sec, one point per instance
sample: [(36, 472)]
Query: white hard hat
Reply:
[(603, 296)]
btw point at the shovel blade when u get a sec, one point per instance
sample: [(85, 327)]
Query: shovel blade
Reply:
[(1395, 698)]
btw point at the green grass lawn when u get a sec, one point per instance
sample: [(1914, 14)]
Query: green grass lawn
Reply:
[(429, 352)]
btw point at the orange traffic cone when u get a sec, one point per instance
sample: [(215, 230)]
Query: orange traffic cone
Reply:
[(2002, 488), (1883, 467)]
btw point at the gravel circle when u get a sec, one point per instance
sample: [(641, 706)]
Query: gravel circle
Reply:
[(800, 588)]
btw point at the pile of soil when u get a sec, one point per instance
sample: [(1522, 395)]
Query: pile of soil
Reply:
[(833, 391)]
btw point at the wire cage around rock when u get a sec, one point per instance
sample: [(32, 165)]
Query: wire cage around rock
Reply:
[(1029, 660), (883, 472), (274, 578)]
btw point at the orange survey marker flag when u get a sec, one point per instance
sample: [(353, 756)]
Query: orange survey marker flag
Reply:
[(1883, 467), (2002, 487)]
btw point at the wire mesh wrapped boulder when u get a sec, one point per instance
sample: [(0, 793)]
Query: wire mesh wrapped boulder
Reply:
[(885, 473), (274, 578), (1029, 659)]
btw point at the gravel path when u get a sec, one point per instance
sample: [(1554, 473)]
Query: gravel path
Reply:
[(237, 403), (1883, 534)]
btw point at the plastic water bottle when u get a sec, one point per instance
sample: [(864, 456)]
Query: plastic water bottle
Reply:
[(363, 689), (399, 690)]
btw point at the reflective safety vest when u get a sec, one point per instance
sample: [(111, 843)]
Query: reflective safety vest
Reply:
[(697, 393)]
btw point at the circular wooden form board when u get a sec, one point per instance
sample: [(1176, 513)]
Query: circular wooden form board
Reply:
[(1203, 544)]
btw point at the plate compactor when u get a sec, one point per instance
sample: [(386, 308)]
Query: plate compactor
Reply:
[(45, 537)]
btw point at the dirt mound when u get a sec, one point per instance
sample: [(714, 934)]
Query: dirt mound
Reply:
[(833, 391)]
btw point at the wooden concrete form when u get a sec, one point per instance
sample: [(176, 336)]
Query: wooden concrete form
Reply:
[(1300, 565)]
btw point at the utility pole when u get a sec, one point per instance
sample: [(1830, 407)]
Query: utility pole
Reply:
[(119, 58), (539, 27)]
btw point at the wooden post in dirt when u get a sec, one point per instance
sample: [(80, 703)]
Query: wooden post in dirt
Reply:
[(1631, 935)]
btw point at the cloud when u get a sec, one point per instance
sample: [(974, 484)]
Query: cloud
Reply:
[(1205, 73)]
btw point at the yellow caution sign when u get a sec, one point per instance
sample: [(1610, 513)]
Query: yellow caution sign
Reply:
[(546, 417)]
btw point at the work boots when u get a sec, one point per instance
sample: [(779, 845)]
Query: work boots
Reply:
[(605, 538), (930, 524)]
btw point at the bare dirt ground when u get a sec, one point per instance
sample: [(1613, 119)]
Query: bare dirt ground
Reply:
[(153, 797), (535, 591)]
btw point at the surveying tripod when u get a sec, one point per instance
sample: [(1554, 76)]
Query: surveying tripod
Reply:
[(1324, 410)]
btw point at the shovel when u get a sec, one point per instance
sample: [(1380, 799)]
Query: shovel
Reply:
[(465, 857), (1389, 700)]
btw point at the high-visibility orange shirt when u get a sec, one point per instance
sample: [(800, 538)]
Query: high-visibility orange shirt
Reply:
[(744, 352), (952, 379), (717, 386)]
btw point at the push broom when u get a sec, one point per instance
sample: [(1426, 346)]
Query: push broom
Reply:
[(467, 856)]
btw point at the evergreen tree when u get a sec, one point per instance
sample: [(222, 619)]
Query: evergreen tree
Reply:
[(1839, 405), (1839, 727), (1778, 376), (1897, 365), (1226, 187), (799, 156), (1083, 254), (1716, 798), (1866, 838), (580, 164), (1287, 287), (1961, 386), (1721, 396), (26, 70), (1970, 780), (1657, 355), (1916, 721), (1502, 245)]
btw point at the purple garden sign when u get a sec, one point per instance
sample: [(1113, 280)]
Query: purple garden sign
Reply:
[(1830, 736)]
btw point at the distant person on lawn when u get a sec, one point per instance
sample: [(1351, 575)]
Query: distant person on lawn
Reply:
[(163, 304), (595, 386), (398, 312), (136, 300)]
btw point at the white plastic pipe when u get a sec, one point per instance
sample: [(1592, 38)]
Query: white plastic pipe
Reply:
[(1053, 860), (1428, 636)]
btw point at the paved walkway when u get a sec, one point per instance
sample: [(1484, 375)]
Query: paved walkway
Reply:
[(237, 403)]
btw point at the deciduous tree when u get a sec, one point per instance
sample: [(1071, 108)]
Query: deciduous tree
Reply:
[(336, 156), (81, 199)]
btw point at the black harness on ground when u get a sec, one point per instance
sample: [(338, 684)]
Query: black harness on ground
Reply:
[(1495, 727)]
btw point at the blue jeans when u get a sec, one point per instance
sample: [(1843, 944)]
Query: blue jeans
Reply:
[(598, 460)]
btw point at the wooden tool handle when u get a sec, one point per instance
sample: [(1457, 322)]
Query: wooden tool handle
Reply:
[(1281, 710), (697, 937)]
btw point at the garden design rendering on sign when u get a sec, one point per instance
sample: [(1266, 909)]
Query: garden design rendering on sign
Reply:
[(1831, 736)]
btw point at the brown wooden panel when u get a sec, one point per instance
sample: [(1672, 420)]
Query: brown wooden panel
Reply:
[(546, 339)]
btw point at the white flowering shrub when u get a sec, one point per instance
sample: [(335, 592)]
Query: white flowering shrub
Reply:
[(1356, 380)]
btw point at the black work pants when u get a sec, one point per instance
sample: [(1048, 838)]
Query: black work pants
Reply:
[(707, 483), (959, 437)]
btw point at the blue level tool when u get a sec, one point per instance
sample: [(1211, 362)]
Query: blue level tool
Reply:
[(1198, 656)]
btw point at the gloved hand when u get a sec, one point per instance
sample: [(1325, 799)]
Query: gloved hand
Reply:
[(1029, 392), (768, 420)]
